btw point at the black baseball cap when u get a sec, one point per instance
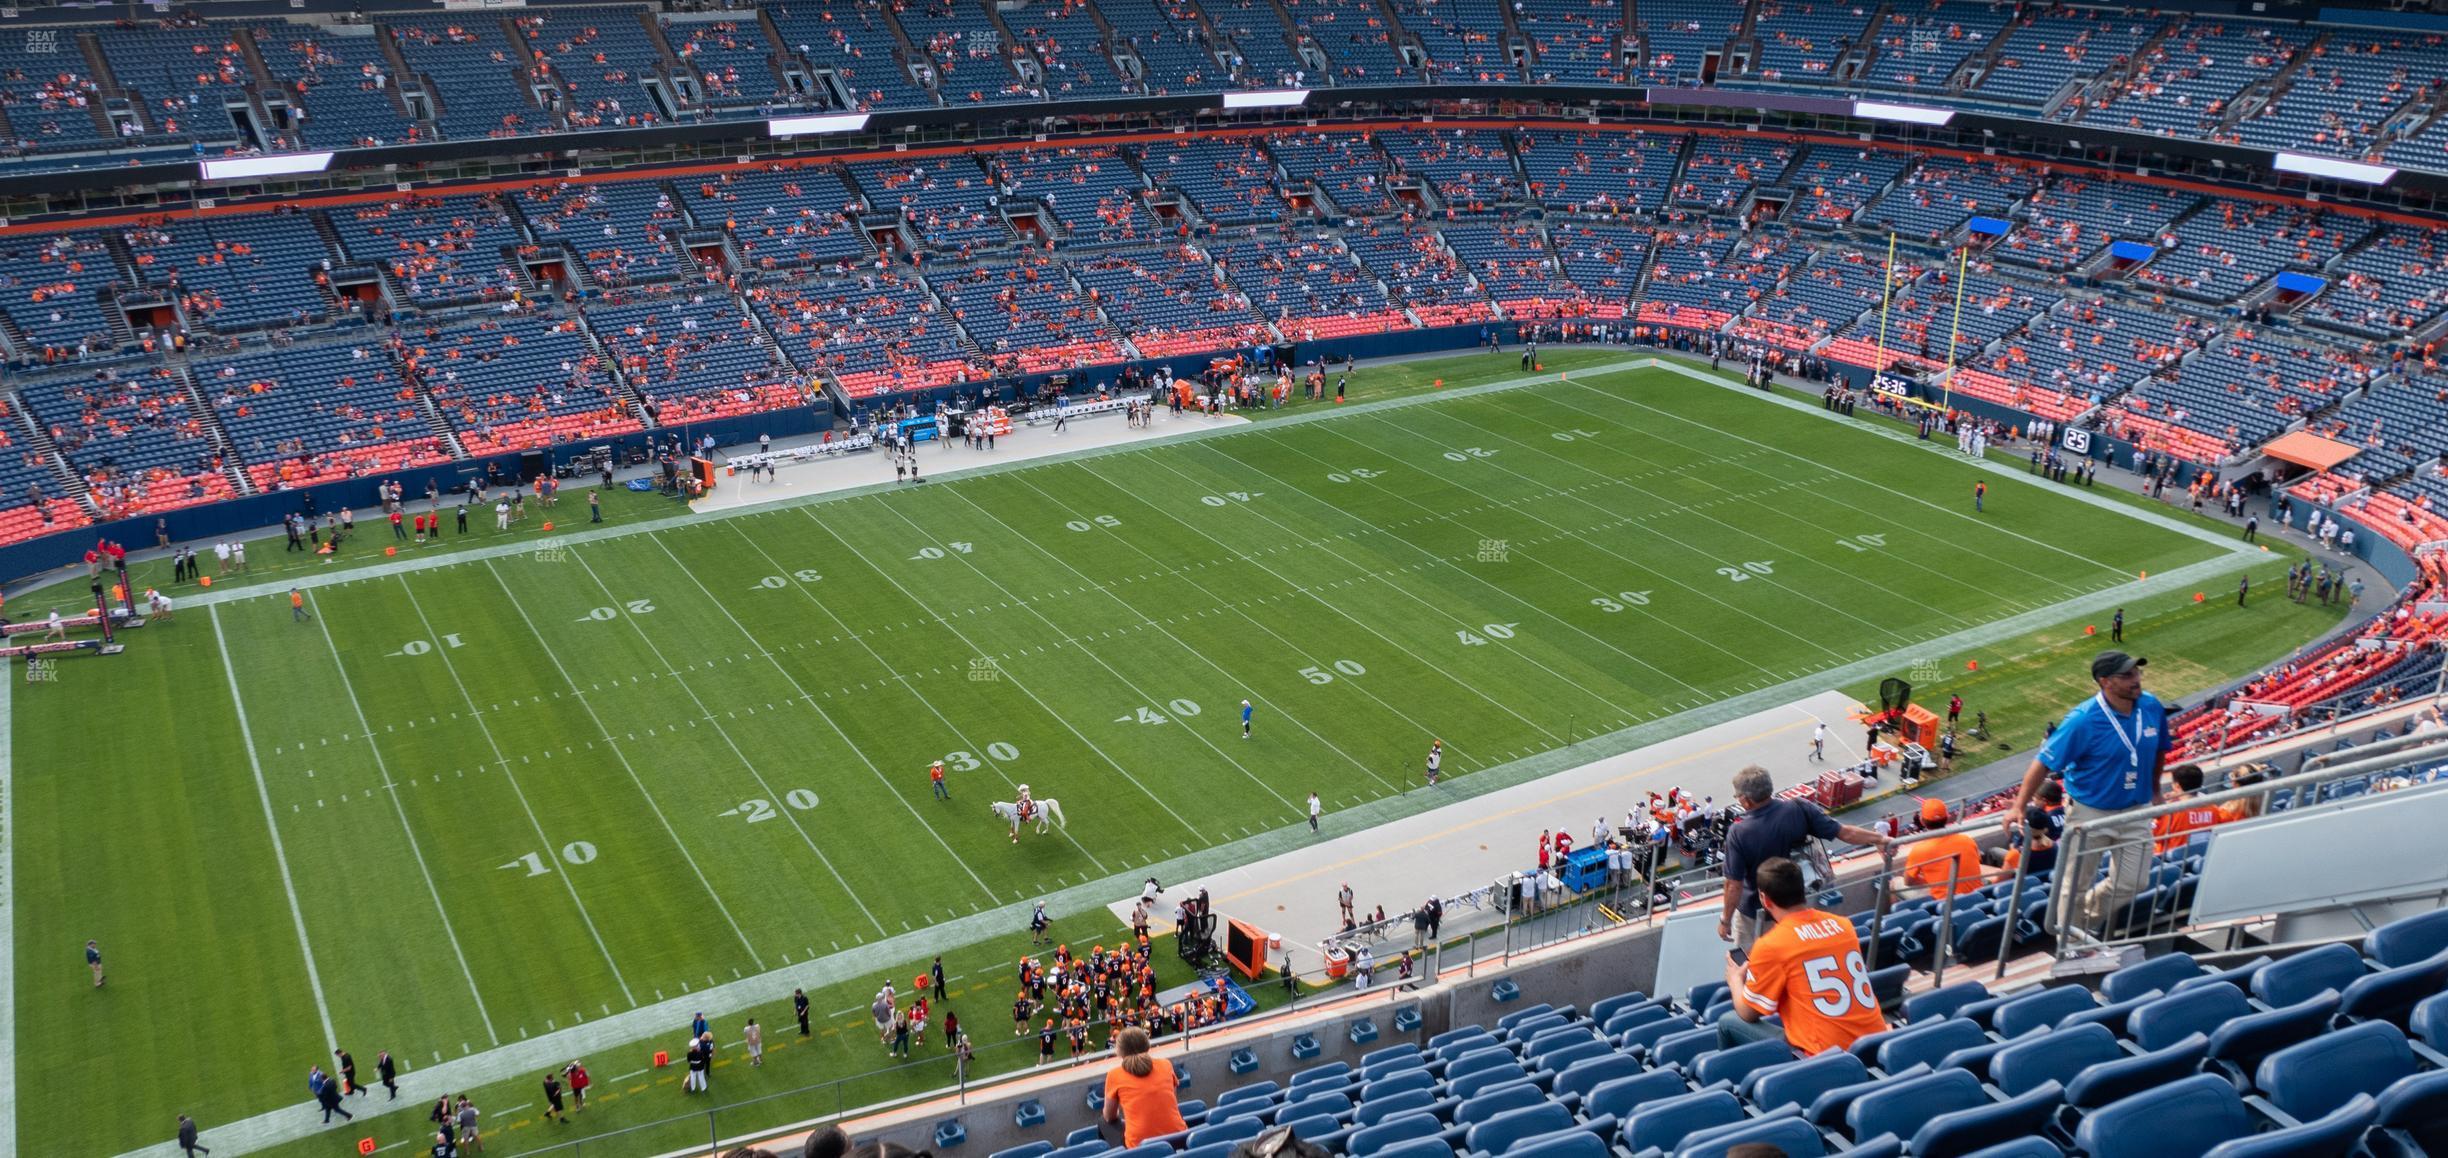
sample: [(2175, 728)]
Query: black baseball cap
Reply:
[(2114, 663)]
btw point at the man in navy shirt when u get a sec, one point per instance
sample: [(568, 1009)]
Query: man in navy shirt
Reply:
[(1770, 828), (2107, 751)]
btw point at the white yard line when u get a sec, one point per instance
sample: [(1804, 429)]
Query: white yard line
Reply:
[(1892, 526), (263, 793), (1543, 613), (520, 605), (1770, 580), (1193, 733), (550, 849), (1917, 500), (1447, 613), (366, 728), (1289, 646), (810, 699), (985, 755), (1017, 601)]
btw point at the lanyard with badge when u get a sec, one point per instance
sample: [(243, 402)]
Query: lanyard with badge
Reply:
[(2133, 777)]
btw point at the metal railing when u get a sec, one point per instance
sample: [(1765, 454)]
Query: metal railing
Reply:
[(2104, 914)]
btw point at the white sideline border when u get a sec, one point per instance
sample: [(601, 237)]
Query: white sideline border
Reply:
[(289, 1123), (8, 922)]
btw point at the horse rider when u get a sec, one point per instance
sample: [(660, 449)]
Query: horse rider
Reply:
[(1028, 807)]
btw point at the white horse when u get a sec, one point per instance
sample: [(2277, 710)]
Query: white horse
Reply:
[(1049, 815)]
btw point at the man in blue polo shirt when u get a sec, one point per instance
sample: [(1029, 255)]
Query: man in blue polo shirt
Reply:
[(2107, 751)]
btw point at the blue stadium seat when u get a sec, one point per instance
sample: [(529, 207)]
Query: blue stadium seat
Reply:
[(1236, 1130), (1665, 1124), (2158, 973), (1828, 1109), (1398, 1081), (2239, 976), (1310, 1127), (2391, 994), (2040, 1010), (1528, 1028), (1087, 1133), (1625, 1020), (1390, 1106), (2312, 1078), (1606, 1007), (1928, 1044), (1561, 1144), (1564, 1057), (1900, 1107), (1504, 1100), (1799, 1083), (2332, 1135), (1943, 1001), (1792, 1137), (1335, 1073), (2020, 1148), (2241, 1044), (1963, 1131), (2295, 979), (1483, 1080), (1623, 1097), (1497, 1134), (2109, 1082), (1028, 1150), (1704, 995), (2412, 1117), (1683, 1048), (2430, 1021), (1088, 1149), (2404, 942), (2113, 1015), (1489, 1057), (2201, 1009), (2056, 1056), (1415, 1148), (1377, 1063), (1640, 1038), (1454, 1043), (1211, 1150), (1587, 1074), (1555, 1038), (1734, 1065), (1505, 1024), (2183, 1119), (1336, 1104), (1409, 1127)]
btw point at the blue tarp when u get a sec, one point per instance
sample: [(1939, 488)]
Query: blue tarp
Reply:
[(2130, 251), (1995, 227), (2301, 283)]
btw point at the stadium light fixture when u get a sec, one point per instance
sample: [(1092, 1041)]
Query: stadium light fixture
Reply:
[(810, 126), (1904, 114), (1283, 98), (2333, 169), (241, 168)]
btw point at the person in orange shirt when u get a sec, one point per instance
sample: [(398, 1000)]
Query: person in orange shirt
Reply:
[(1808, 971), (1139, 1091), (1940, 860), (2247, 807), (297, 606), (2172, 830)]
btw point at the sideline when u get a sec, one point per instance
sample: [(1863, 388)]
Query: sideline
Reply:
[(8, 922), (572, 538)]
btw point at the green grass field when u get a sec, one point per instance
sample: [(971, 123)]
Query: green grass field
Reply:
[(469, 805)]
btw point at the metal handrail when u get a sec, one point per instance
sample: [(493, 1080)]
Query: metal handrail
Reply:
[(2402, 751)]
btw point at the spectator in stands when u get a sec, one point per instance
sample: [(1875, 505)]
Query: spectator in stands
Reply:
[(2175, 828), (1139, 1091), (2108, 751), (1807, 971), (1770, 828), (2043, 826), (1948, 864)]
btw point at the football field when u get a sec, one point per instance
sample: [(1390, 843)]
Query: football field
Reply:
[(460, 806)]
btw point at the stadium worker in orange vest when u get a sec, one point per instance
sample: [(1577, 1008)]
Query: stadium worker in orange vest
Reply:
[(1807, 971), (2175, 828), (1139, 1091), (1939, 860)]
